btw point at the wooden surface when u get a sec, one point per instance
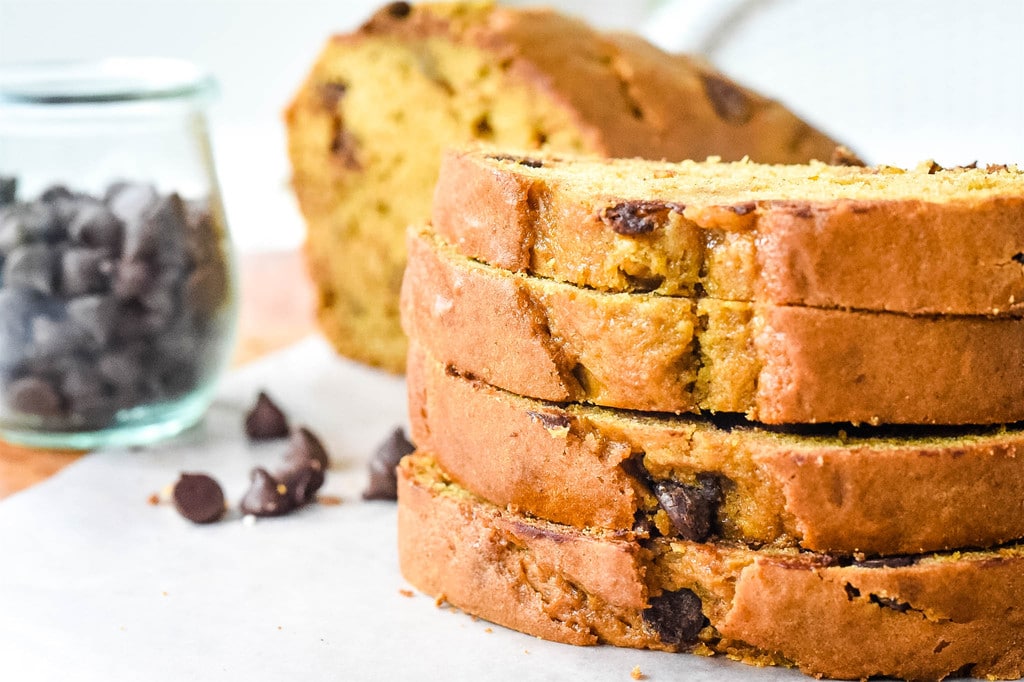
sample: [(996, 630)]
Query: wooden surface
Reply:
[(276, 310)]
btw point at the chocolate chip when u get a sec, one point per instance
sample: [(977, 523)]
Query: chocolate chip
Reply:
[(302, 483), (95, 315), (345, 148), (54, 193), (266, 496), (399, 10), (96, 225), (34, 395), (743, 209), (198, 498), (677, 617), (133, 279), (383, 483), (32, 266), (8, 189), (29, 222), (265, 420), (521, 160), (634, 217), (730, 103), (331, 93), (305, 447), (551, 422), (85, 271), (692, 509)]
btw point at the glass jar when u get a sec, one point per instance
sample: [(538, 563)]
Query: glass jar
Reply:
[(118, 295)]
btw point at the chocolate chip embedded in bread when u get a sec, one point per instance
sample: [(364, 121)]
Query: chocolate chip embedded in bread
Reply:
[(265, 420), (730, 103), (398, 10), (677, 617), (691, 509), (634, 217), (383, 483), (553, 423), (887, 562), (199, 498), (331, 93), (844, 156), (266, 496)]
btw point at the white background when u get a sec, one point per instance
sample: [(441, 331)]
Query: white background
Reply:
[(899, 80)]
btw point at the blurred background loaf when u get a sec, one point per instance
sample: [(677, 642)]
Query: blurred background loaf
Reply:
[(367, 128)]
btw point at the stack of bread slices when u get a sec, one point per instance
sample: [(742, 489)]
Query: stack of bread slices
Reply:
[(762, 411)]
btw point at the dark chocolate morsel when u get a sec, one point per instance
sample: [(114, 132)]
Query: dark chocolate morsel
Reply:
[(677, 617), (399, 10), (306, 463), (692, 509), (95, 315), (95, 225), (383, 484), (551, 422), (302, 482), (198, 498), (32, 266), (887, 562), (634, 217), (266, 496), (305, 447), (34, 395), (265, 420)]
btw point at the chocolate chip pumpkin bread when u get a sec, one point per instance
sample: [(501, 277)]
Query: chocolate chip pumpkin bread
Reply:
[(843, 491), (777, 364), (913, 617), (366, 129), (926, 240)]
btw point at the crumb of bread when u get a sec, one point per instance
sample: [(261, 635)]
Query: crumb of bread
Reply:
[(405, 593), (153, 499), (441, 601), (636, 674), (328, 500), (488, 630)]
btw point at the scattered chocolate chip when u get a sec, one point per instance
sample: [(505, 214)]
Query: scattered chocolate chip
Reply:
[(383, 483), (265, 421), (692, 509), (266, 496), (198, 498), (634, 217), (730, 103), (677, 617), (306, 464)]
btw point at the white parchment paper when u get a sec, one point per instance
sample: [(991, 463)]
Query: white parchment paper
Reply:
[(96, 584)]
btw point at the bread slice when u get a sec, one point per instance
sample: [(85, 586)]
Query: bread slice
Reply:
[(366, 129), (777, 364), (917, 241), (864, 491), (920, 617)]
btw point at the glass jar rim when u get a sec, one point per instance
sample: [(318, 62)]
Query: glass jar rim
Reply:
[(104, 81)]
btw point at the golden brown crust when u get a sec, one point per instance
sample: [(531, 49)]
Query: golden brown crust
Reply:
[(366, 128), (777, 364), (553, 220), (874, 493), (936, 616)]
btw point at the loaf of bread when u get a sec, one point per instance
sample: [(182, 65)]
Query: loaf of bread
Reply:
[(914, 617), (776, 364), (920, 241), (843, 491), (366, 130)]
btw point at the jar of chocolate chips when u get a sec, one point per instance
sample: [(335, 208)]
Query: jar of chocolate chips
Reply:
[(117, 289)]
